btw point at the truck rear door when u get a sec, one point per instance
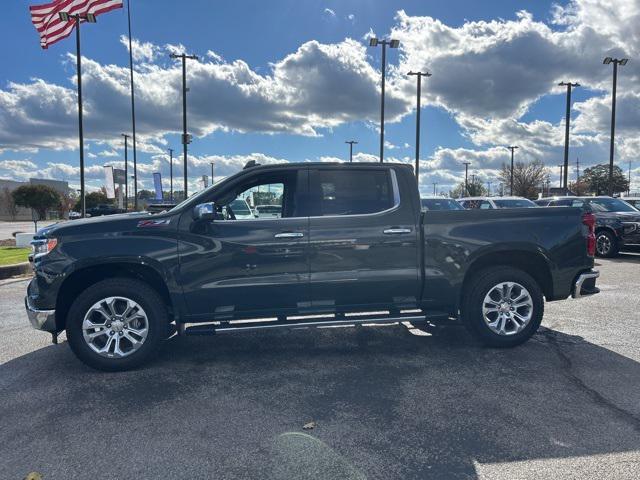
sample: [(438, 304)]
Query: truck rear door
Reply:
[(363, 243)]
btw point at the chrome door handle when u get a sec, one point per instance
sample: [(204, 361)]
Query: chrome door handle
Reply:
[(396, 231), (289, 235)]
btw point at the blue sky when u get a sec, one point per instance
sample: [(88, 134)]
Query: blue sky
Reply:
[(280, 82)]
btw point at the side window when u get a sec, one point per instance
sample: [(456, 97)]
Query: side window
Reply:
[(484, 205), (351, 192), (264, 196), (577, 203)]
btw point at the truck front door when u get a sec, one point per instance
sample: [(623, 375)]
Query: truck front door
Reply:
[(246, 263)]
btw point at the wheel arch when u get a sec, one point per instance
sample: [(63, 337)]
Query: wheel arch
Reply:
[(533, 263), (83, 278)]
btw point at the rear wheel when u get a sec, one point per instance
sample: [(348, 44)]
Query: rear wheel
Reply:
[(117, 324), (606, 244), (502, 306)]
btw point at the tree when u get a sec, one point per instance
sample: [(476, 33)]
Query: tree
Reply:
[(8, 203), (597, 179), (67, 202), (527, 178), (474, 189), (40, 198), (92, 200)]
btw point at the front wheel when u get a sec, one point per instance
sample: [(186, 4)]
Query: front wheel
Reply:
[(502, 306), (117, 324), (606, 244)]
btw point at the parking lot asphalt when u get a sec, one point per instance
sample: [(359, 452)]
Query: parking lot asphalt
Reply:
[(388, 403)]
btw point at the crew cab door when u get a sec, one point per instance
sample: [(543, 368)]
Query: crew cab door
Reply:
[(233, 266), (363, 241)]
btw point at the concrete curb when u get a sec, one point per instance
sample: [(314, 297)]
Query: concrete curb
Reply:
[(8, 271)]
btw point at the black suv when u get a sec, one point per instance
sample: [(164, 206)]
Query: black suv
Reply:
[(617, 222)]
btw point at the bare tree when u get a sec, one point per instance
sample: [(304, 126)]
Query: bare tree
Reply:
[(527, 178)]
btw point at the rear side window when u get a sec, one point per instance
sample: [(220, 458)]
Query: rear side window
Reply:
[(351, 192)]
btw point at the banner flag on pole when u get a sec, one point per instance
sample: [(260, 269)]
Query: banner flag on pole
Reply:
[(108, 181), (157, 183), (46, 17)]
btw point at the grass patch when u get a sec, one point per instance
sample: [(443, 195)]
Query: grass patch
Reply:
[(13, 255)]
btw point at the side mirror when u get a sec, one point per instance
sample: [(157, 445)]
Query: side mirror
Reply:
[(205, 211)]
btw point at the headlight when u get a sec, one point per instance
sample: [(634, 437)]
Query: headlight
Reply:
[(42, 247), (629, 227)]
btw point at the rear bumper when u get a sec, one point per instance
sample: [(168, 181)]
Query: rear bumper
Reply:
[(585, 284), (40, 319)]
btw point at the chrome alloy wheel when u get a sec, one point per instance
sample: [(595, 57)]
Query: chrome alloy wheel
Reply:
[(507, 308), (603, 245), (115, 327)]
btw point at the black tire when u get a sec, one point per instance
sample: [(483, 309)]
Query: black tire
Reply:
[(473, 300), (607, 245), (139, 292)]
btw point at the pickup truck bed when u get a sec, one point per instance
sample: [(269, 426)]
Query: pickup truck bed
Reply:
[(351, 239)]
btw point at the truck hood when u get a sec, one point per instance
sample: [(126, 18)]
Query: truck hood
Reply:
[(108, 223)]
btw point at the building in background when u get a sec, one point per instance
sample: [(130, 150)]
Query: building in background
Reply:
[(7, 213)]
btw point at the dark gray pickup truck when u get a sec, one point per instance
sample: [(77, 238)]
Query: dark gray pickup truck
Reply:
[(349, 244)]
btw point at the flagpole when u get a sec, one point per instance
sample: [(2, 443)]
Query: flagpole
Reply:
[(133, 112), (80, 130)]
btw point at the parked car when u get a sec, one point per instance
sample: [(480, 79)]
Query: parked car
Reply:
[(439, 203), (103, 210), (617, 222), (240, 209), (269, 211), (352, 242), (74, 215), (489, 203), (633, 201)]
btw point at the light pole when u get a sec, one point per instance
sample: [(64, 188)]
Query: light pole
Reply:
[(374, 42), (90, 18), (171, 174), (419, 76), (629, 188), (435, 184), (567, 122), (133, 110), (211, 173), (513, 149), (466, 176), (622, 62), (488, 188), (126, 183), (351, 144), (186, 138), (561, 167)]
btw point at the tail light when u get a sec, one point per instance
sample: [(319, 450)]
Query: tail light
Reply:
[(589, 219), (42, 247)]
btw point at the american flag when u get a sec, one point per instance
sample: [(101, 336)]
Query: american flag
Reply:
[(47, 21)]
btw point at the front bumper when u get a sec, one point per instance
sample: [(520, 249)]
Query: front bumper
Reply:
[(585, 284), (40, 319)]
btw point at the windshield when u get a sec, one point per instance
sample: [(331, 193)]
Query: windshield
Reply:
[(440, 204), (514, 203), (610, 205)]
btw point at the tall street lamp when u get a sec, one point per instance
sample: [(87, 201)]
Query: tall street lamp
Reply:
[(351, 144), (466, 176), (513, 149), (374, 42), (186, 138), (126, 183), (622, 62), (561, 177), (569, 86), (419, 76), (211, 173), (76, 18), (171, 174)]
